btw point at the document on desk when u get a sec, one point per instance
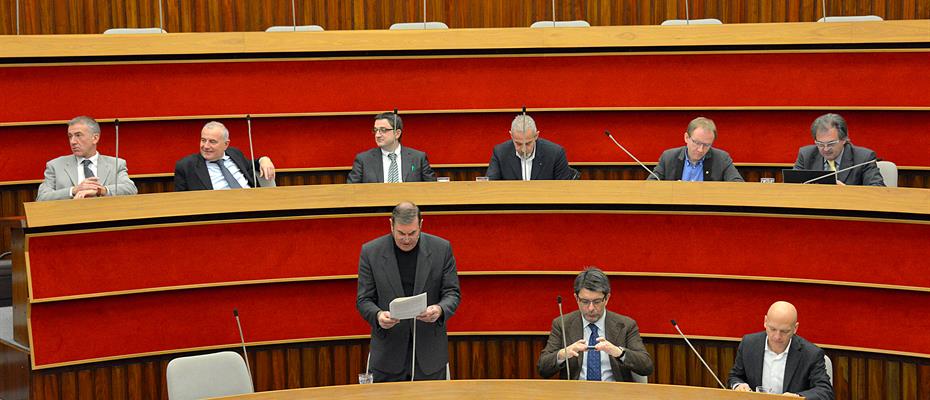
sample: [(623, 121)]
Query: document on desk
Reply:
[(408, 307)]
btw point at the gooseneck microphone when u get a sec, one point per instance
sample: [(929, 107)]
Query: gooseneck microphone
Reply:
[(568, 371), (242, 340), (116, 160), (698, 354), (874, 160), (632, 156)]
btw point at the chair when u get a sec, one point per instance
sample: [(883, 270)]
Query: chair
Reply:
[(705, 21), (889, 173), (133, 31), (262, 182), (639, 378), (576, 174), (208, 375), (829, 366), (298, 28), (419, 25), (561, 24), (853, 18), (6, 280)]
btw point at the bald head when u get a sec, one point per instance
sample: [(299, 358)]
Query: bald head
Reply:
[(781, 323), (782, 312)]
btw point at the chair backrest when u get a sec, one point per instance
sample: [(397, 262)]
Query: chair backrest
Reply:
[(419, 25), (298, 28), (851, 18), (639, 378), (208, 375), (561, 24), (262, 182), (829, 366), (133, 31), (704, 21), (889, 173)]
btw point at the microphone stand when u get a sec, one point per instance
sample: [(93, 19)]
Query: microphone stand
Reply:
[(837, 172), (632, 156), (568, 371)]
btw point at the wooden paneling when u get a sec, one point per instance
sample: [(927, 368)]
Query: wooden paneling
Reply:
[(95, 16), (856, 375)]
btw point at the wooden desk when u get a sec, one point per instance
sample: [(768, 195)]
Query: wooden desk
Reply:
[(506, 390)]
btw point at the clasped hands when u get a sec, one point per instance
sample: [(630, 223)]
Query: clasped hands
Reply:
[(89, 187), (430, 315), (581, 346)]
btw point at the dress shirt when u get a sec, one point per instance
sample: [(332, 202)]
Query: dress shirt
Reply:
[(693, 172), (386, 162), (92, 166), (607, 374), (773, 368), (526, 166), (217, 178)]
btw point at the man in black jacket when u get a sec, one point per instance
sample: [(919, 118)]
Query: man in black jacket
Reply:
[(218, 166)]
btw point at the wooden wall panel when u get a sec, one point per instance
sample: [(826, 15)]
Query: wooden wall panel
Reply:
[(95, 16)]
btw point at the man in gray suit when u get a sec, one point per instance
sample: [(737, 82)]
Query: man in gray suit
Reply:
[(697, 160), (832, 151), (85, 172), (779, 360), (527, 157), (404, 263), (616, 350), (390, 162)]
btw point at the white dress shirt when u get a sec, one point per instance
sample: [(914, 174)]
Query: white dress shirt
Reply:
[(217, 178), (386, 163), (92, 166), (773, 368), (527, 166)]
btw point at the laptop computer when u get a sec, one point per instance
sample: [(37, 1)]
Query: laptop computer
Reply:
[(804, 175)]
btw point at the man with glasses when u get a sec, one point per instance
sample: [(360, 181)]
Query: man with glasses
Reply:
[(390, 162), (527, 157), (778, 361), (697, 160), (602, 345), (832, 151)]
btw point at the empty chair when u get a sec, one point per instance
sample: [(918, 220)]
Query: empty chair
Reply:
[(852, 18), (298, 28), (639, 378), (704, 21), (131, 31), (208, 375), (419, 25), (561, 24), (889, 173), (828, 365)]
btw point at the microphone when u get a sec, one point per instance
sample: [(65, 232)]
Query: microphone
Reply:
[(687, 14), (242, 340), (875, 160), (523, 152), (116, 161), (568, 371), (824, 4), (631, 155), (698, 354), (248, 120)]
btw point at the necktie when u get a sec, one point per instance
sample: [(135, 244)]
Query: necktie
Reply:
[(832, 164), (393, 173), (230, 179), (594, 357), (87, 172)]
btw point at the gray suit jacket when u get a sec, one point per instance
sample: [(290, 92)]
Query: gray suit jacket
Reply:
[(369, 168), (718, 166), (550, 163), (379, 283), (805, 373), (621, 331), (61, 176), (869, 174)]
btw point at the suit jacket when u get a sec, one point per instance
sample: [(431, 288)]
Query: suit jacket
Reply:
[(61, 176), (190, 173), (379, 283), (621, 331), (805, 373), (718, 166), (550, 163), (869, 174), (369, 168)]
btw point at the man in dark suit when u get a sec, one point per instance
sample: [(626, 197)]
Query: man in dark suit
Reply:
[(618, 350), (779, 360), (390, 162), (218, 166), (404, 263), (832, 151), (527, 157), (697, 160)]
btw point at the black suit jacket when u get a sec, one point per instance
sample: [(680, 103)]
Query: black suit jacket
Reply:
[(718, 166), (369, 168), (190, 173), (869, 174), (550, 162), (621, 331), (805, 372), (379, 283)]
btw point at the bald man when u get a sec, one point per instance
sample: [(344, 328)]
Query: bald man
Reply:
[(779, 360)]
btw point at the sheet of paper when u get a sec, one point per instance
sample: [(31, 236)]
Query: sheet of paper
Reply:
[(408, 307)]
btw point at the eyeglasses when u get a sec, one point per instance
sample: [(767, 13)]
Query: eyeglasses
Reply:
[(381, 130), (827, 144), (699, 144), (596, 302)]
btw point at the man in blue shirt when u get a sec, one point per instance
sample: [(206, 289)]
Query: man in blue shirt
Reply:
[(697, 160)]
